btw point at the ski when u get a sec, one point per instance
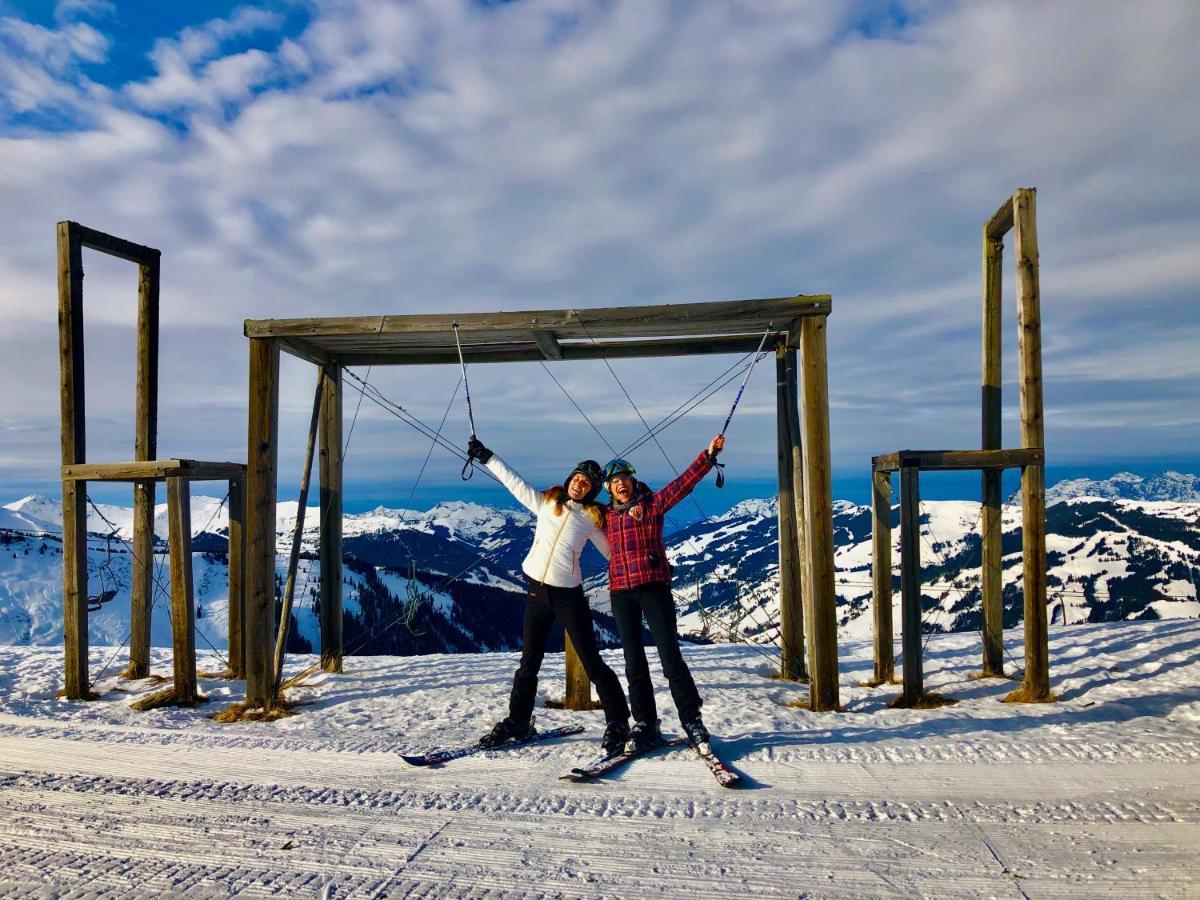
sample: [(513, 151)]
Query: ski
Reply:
[(725, 776), (605, 764), (439, 756)]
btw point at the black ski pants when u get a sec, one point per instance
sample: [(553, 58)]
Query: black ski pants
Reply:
[(653, 602), (546, 604)]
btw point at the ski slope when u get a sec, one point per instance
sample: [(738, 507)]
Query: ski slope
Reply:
[(1094, 796)]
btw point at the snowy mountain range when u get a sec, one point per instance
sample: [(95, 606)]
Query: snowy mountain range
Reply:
[(448, 578)]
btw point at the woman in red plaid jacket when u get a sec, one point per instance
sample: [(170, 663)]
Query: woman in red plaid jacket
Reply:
[(639, 579)]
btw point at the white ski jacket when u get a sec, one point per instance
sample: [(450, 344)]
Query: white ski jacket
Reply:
[(558, 540)]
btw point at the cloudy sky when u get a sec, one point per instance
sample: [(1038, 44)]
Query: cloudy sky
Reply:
[(355, 157)]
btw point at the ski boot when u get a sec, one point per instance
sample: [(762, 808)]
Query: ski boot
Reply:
[(615, 735), (642, 737), (505, 730), (697, 735)]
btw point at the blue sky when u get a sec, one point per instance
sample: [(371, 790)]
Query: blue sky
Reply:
[(358, 157)]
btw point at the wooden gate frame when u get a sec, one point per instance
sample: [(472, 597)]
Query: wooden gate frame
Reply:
[(144, 471), (1018, 214), (798, 324)]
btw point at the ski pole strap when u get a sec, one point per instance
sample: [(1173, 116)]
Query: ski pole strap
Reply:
[(720, 467), (468, 470)]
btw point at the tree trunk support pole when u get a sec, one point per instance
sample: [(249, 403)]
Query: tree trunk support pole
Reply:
[(74, 451), (910, 583), (289, 589), (991, 576), (820, 596), (237, 578), (262, 460), (791, 568), (183, 608), (881, 576), (1036, 686), (330, 477)]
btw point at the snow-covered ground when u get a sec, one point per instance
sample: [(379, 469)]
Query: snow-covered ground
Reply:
[(1095, 795)]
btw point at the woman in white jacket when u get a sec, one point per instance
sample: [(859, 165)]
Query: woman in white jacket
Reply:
[(567, 518)]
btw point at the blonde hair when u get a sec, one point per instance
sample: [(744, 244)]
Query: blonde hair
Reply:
[(558, 496)]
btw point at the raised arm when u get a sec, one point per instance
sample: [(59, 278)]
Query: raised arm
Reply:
[(527, 495), (672, 493)]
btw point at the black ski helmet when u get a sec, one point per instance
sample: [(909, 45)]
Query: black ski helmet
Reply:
[(589, 469)]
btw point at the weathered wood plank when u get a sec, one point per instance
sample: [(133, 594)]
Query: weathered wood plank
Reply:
[(910, 584), (74, 450), (1036, 686), (716, 317), (791, 568), (237, 578), (330, 478), (821, 600), (262, 460), (578, 691), (929, 460), (142, 579), (547, 344), (1001, 221), (881, 576), (991, 587), (383, 352), (183, 607), (113, 246), (155, 469), (289, 588)]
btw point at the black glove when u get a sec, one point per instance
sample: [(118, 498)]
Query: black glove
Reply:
[(476, 450)]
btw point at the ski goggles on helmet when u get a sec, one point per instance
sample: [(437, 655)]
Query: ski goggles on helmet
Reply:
[(618, 467)]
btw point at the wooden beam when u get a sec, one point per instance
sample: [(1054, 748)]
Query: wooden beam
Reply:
[(381, 353), (145, 447), (821, 599), (991, 587), (881, 576), (548, 344), (1001, 221), (74, 450), (262, 460), (578, 693), (930, 460), (791, 568), (183, 608), (910, 584), (330, 479), (155, 470), (678, 319), (289, 588), (113, 246), (237, 578), (1036, 687)]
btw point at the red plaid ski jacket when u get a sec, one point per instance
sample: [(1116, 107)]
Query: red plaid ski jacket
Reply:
[(638, 556)]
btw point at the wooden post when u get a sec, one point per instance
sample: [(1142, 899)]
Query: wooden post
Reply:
[(910, 583), (237, 578), (881, 576), (262, 460), (991, 577), (791, 569), (330, 478), (74, 451), (183, 608), (289, 589), (820, 597), (579, 689), (1036, 687), (144, 492)]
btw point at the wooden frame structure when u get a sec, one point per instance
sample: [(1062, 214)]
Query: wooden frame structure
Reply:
[(1018, 214), (797, 326), (143, 472)]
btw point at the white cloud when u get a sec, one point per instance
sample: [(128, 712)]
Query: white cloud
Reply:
[(418, 156)]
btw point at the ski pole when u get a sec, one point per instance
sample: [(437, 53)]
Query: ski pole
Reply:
[(753, 363), (468, 469), (736, 400)]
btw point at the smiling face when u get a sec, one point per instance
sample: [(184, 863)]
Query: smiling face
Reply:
[(621, 488), (578, 486)]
